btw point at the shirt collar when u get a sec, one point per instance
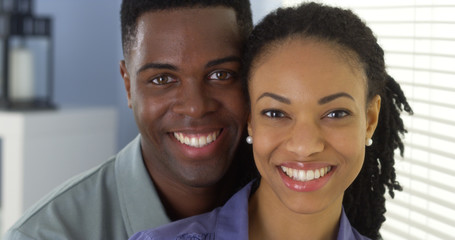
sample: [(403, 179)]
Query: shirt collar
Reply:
[(232, 220), (140, 204), (346, 231)]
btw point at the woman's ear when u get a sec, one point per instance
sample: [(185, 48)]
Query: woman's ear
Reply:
[(374, 107), (250, 132)]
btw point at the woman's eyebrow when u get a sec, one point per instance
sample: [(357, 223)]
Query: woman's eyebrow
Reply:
[(275, 96), (334, 96)]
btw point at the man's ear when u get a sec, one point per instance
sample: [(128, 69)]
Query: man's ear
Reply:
[(373, 110), (126, 79)]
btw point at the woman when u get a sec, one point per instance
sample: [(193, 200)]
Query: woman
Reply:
[(324, 124)]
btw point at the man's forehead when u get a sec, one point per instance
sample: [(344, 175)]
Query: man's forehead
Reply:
[(191, 18), (163, 33)]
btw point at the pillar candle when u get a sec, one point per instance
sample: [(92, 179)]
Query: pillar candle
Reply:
[(21, 74)]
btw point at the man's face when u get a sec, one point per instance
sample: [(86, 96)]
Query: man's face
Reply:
[(182, 82)]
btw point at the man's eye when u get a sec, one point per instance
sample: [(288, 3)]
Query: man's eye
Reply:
[(163, 79), (338, 114), (221, 75), (273, 113)]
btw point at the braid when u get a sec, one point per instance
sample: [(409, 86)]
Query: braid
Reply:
[(364, 200)]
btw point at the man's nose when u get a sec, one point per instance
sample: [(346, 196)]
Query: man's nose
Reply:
[(195, 100)]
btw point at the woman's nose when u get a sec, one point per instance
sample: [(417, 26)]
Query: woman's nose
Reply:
[(305, 139)]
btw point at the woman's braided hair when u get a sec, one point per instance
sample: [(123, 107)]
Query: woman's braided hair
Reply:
[(364, 200)]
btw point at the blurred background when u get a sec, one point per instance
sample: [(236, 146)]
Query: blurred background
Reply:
[(418, 37)]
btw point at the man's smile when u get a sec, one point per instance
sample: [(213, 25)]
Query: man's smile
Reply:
[(197, 140)]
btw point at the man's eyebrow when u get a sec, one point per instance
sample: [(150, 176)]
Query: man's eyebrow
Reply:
[(332, 97), (275, 96), (157, 66), (222, 60), (174, 68)]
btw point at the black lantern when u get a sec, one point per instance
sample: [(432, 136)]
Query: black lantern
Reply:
[(26, 57)]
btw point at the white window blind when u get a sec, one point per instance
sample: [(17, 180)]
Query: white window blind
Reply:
[(419, 40)]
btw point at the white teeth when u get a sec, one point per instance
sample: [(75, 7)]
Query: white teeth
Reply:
[(305, 175), (202, 141), (302, 175), (295, 173), (195, 141), (310, 175)]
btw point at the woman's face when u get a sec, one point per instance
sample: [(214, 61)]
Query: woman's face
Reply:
[(310, 122)]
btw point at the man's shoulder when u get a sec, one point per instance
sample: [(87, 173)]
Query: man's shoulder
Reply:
[(111, 201), (73, 202)]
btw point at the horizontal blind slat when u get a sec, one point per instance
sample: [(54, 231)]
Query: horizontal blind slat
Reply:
[(438, 217), (432, 135), (395, 231), (423, 69), (430, 150), (428, 102), (429, 166), (443, 88), (427, 228), (436, 200), (379, 7), (427, 181), (421, 54), (433, 119), (430, 38)]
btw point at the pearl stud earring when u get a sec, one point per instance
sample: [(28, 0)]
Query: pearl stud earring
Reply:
[(369, 142), (249, 140)]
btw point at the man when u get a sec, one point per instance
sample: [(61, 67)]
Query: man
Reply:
[(181, 74)]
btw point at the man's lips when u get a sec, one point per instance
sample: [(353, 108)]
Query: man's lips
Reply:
[(197, 140)]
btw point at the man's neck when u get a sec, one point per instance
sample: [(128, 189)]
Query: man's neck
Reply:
[(181, 202)]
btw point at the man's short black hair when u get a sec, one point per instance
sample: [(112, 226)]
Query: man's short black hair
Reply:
[(131, 10)]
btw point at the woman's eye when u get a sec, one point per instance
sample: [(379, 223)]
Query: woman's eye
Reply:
[(163, 79), (221, 75), (273, 114), (338, 114)]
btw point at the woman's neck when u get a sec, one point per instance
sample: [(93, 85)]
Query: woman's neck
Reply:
[(270, 219)]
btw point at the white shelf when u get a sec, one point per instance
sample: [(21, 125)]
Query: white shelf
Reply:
[(42, 149)]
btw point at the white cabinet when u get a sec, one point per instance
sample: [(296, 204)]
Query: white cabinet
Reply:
[(42, 149)]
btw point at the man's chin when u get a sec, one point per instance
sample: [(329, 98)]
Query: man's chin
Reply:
[(203, 178)]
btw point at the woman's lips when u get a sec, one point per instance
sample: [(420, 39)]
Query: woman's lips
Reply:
[(306, 175), (305, 179)]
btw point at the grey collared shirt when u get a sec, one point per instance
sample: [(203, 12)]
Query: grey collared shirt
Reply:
[(111, 201)]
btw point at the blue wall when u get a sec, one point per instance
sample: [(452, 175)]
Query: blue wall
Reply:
[(87, 54)]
